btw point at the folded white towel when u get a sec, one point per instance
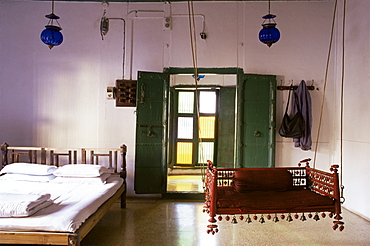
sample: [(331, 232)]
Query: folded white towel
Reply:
[(22, 205)]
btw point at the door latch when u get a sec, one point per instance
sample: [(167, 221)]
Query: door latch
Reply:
[(257, 134)]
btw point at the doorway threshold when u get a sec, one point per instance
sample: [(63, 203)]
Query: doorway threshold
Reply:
[(185, 171), (196, 196)]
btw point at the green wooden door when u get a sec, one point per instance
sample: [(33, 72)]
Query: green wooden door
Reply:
[(256, 120), (151, 133)]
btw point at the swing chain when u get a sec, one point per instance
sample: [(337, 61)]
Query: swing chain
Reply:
[(342, 199)]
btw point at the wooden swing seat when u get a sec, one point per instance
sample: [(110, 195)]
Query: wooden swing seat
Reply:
[(271, 191)]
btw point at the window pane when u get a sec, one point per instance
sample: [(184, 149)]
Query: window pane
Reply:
[(185, 128), (184, 153), (186, 102), (205, 152), (207, 127), (207, 102)]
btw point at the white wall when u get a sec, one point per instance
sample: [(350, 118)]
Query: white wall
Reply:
[(58, 97)]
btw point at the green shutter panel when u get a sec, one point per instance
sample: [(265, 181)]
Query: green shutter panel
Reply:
[(256, 96), (226, 128), (151, 128)]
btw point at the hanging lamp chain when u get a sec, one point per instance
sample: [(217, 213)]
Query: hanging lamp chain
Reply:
[(53, 17)]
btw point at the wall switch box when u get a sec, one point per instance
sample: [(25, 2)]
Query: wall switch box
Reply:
[(110, 93)]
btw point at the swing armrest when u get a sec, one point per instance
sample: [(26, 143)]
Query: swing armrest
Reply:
[(326, 184)]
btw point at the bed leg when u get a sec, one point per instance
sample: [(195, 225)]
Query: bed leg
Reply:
[(123, 200), (123, 175)]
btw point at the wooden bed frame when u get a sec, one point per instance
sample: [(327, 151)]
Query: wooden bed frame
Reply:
[(51, 156), (306, 179)]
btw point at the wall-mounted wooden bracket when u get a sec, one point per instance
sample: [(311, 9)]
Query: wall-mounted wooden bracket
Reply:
[(126, 93)]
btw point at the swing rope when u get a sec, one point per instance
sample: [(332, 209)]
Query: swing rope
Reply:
[(193, 44), (193, 41), (341, 105), (341, 98), (325, 82)]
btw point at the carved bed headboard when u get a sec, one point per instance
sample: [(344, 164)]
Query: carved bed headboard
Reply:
[(60, 156)]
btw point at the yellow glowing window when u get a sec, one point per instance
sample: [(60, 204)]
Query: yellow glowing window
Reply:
[(184, 153), (207, 127)]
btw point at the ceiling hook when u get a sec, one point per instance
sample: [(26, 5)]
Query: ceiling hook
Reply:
[(105, 5)]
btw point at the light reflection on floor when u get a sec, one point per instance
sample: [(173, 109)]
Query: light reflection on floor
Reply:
[(183, 223), (185, 183)]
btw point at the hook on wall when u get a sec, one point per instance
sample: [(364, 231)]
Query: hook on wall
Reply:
[(104, 21), (294, 87)]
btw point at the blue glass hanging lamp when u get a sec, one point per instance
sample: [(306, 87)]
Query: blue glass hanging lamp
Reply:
[(51, 35), (269, 33)]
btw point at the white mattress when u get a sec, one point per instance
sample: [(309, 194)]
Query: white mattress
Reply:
[(73, 204)]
